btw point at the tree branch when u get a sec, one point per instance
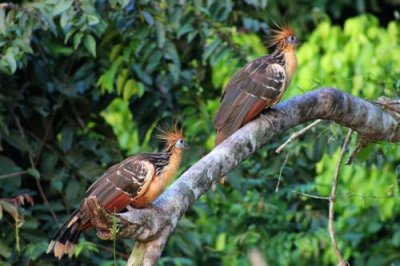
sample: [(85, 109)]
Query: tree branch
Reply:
[(370, 121), (297, 135), (332, 200)]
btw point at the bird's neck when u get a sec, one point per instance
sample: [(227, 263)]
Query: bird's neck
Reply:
[(286, 57), (290, 64), (174, 159)]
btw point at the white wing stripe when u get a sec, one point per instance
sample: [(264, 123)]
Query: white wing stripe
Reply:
[(268, 87), (255, 69), (248, 93), (118, 188)]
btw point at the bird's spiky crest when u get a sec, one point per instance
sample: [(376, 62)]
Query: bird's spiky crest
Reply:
[(170, 135), (279, 35)]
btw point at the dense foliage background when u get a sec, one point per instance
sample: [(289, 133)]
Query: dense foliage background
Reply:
[(84, 84)]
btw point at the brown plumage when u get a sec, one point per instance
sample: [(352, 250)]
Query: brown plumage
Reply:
[(136, 181), (258, 85)]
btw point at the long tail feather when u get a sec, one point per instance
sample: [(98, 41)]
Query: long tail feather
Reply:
[(65, 239)]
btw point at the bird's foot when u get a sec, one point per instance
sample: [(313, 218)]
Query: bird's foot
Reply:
[(141, 224), (107, 224)]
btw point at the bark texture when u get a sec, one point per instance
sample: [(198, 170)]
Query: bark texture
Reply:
[(368, 119)]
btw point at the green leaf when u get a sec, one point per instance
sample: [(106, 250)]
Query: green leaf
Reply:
[(185, 29), (7, 166), (5, 250), (210, 49), (72, 191), (77, 39), (2, 21), (9, 208), (220, 243), (160, 29), (63, 50), (90, 44), (90, 170), (48, 162), (34, 250), (61, 7), (18, 142), (148, 18), (65, 18), (10, 57), (69, 34), (92, 20), (106, 81), (115, 51), (129, 89), (121, 79), (396, 239), (33, 172), (67, 136)]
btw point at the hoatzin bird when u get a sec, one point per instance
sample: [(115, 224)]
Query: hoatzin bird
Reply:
[(136, 181), (258, 85)]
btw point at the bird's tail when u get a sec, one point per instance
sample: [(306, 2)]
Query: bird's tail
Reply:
[(67, 236)]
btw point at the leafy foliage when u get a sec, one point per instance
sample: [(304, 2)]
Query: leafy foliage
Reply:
[(85, 83)]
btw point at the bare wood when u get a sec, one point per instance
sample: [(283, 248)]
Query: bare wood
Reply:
[(280, 173), (297, 135), (332, 199), (311, 195), (12, 174), (364, 117)]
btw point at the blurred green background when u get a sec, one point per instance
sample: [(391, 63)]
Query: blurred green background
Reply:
[(84, 84)]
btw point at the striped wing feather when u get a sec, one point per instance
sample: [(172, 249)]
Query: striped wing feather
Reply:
[(120, 185), (257, 85)]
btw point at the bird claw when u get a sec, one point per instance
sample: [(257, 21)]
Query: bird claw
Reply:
[(100, 218), (141, 224)]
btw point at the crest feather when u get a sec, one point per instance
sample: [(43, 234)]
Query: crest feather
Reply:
[(170, 135), (280, 35)]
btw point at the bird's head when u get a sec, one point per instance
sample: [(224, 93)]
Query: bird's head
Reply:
[(173, 138), (284, 38)]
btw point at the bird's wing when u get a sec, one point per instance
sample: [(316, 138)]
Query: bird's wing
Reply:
[(251, 89), (119, 185)]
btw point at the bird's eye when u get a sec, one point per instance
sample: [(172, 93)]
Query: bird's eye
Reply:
[(180, 143), (292, 39)]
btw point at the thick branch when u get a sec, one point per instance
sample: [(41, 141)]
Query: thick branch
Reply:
[(362, 116)]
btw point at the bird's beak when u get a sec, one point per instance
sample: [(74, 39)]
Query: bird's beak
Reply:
[(185, 146)]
